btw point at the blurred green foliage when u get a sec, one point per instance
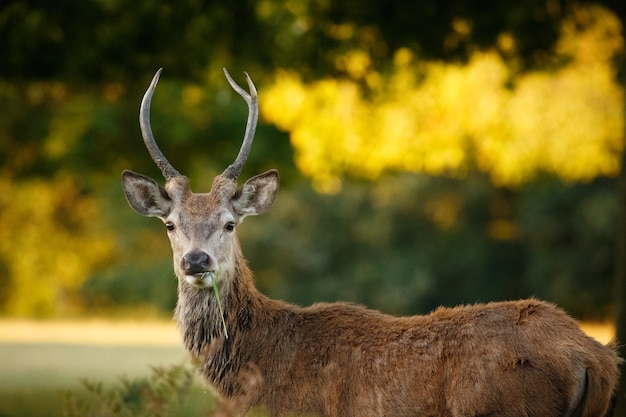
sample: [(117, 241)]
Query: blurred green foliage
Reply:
[(164, 393), (409, 243), (71, 79)]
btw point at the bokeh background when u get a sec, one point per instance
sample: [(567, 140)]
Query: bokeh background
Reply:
[(430, 154)]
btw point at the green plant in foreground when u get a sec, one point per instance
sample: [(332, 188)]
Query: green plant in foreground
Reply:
[(161, 394)]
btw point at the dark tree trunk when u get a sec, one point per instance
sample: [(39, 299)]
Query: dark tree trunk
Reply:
[(620, 268)]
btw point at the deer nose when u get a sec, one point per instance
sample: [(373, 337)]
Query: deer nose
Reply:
[(196, 262)]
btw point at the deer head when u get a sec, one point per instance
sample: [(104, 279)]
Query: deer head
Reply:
[(201, 226)]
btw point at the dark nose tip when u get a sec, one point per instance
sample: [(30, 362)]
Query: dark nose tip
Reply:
[(196, 262)]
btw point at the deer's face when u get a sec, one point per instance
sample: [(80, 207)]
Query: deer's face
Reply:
[(201, 227)]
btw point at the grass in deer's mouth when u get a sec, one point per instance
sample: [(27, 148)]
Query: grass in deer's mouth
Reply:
[(217, 296)]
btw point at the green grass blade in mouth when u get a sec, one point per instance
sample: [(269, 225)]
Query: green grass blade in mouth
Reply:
[(219, 302)]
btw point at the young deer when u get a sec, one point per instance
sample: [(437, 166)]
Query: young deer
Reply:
[(516, 358)]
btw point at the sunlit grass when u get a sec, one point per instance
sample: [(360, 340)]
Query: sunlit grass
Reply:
[(92, 332), (60, 353), (40, 360)]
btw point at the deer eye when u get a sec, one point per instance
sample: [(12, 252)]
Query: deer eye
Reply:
[(230, 226), (169, 226)]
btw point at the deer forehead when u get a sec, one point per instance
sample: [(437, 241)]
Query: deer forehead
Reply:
[(201, 214), (203, 205), (198, 205)]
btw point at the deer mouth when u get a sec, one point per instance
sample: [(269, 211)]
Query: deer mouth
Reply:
[(201, 280)]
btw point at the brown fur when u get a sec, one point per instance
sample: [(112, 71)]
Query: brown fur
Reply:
[(518, 358)]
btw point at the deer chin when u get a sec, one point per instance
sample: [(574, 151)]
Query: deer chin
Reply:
[(204, 280)]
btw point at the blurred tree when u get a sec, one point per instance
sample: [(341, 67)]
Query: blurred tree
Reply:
[(48, 245), (448, 118), (408, 243)]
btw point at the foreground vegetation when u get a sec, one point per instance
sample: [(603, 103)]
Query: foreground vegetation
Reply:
[(165, 392)]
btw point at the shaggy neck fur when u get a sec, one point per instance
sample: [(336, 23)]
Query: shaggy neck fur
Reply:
[(231, 368)]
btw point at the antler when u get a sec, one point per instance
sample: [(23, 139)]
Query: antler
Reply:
[(235, 168), (146, 131)]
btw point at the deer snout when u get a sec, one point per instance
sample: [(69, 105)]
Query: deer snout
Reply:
[(196, 262)]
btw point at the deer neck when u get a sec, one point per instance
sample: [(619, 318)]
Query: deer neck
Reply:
[(198, 314)]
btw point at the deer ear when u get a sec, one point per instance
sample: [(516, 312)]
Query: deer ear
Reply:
[(257, 195), (145, 195)]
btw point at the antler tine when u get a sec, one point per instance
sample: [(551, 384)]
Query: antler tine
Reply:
[(146, 132), (251, 98)]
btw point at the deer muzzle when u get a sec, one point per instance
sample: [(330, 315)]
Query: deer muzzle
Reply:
[(199, 268)]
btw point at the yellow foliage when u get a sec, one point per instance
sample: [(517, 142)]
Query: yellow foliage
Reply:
[(48, 246), (356, 63), (569, 123), (443, 118)]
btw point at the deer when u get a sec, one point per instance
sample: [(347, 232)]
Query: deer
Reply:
[(516, 358)]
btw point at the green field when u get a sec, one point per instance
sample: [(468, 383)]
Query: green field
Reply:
[(37, 370)]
